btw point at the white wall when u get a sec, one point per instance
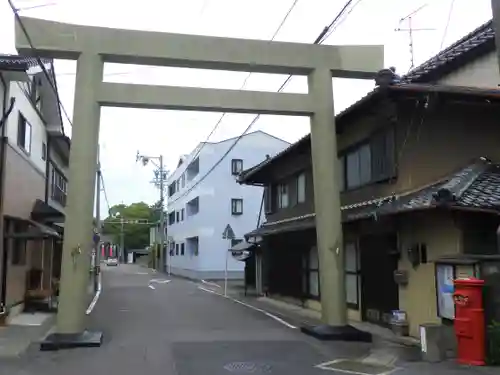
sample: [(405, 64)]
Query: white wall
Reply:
[(215, 194), (482, 72), (38, 133)]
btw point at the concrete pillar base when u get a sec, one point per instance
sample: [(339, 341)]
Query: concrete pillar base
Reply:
[(85, 339), (337, 333)]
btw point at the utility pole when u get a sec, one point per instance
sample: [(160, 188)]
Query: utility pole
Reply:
[(495, 8), (97, 257), (159, 181), (162, 217)]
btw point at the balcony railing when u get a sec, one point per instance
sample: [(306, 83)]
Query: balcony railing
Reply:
[(58, 195)]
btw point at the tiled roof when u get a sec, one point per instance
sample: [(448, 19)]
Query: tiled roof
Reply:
[(20, 62), (477, 42), (476, 186)]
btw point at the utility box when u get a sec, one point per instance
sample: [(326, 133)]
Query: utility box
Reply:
[(430, 341)]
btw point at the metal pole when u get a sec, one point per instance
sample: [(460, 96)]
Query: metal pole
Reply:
[(97, 257), (122, 240), (162, 218), (225, 273)]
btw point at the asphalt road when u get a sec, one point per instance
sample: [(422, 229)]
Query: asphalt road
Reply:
[(157, 327), (179, 329)]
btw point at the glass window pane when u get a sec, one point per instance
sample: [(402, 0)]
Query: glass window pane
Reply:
[(365, 164), (351, 258), (314, 283), (353, 173), (301, 188), (341, 174), (284, 196), (313, 258), (351, 288)]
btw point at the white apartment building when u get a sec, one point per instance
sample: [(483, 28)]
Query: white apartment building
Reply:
[(200, 208)]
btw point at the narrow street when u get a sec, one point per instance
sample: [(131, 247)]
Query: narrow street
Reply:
[(153, 326), (176, 328)]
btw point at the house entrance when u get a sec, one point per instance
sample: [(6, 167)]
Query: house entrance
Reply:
[(379, 292)]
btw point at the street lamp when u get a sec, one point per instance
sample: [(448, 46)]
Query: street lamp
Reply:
[(160, 177)]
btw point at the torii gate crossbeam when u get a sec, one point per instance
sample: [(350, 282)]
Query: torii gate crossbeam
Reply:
[(93, 46)]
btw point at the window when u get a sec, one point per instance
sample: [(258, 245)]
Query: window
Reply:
[(373, 161), (176, 249), (282, 196), (177, 216), (44, 151), (19, 244), (59, 185), (182, 249), (24, 134), (301, 188), (182, 214), (235, 241), (236, 206), (236, 166), (310, 275), (352, 274), (183, 180), (268, 199), (171, 218), (171, 189), (172, 248), (341, 173), (358, 167)]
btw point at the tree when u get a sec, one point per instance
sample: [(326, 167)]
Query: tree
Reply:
[(135, 228), (156, 211)]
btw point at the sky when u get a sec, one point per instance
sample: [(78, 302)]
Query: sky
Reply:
[(124, 132)]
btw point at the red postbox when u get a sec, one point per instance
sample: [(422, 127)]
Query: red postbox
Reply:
[(469, 321)]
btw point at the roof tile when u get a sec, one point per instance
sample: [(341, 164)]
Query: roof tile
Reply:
[(468, 47)]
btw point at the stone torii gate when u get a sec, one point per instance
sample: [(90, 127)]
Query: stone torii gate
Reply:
[(91, 47)]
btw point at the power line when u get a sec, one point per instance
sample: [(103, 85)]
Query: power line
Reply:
[(320, 39), (104, 191), (40, 63), (342, 17), (322, 36), (216, 126), (450, 12)]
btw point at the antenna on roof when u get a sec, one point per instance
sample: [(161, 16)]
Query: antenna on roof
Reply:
[(410, 31)]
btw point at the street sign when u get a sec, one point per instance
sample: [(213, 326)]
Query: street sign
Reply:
[(228, 233)]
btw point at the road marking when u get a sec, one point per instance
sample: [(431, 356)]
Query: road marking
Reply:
[(151, 287), (159, 281), (96, 296), (142, 273), (328, 367), (210, 283), (272, 316)]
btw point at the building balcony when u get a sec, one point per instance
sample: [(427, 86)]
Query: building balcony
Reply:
[(58, 195)]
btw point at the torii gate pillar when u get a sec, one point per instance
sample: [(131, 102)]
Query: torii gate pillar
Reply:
[(93, 46)]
